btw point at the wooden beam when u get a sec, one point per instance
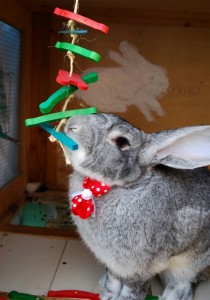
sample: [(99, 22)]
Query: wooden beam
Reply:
[(148, 17), (52, 232), (39, 93)]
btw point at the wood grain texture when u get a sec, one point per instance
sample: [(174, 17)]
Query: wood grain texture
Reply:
[(182, 51), (161, 5), (39, 93)]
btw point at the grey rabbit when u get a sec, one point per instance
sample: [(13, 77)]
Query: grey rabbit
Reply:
[(155, 219)]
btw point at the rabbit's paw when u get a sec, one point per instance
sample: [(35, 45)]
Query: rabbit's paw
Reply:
[(111, 287), (179, 291), (108, 296), (131, 294)]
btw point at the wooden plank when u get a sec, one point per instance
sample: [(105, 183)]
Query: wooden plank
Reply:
[(39, 93), (15, 14), (11, 196), (165, 13), (180, 5), (28, 263), (40, 231), (184, 18), (78, 269)]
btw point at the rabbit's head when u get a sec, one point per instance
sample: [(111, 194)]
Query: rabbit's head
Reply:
[(108, 148), (113, 151)]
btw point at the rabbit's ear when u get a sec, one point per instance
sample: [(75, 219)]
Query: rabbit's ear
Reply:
[(118, 58), (185, 148)]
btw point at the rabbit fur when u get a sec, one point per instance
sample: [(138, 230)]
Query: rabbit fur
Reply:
[(156, 217)]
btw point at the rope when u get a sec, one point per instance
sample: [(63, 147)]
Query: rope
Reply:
[(71, 25)]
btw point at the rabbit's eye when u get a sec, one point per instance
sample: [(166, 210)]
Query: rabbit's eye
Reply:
[(122, 142)]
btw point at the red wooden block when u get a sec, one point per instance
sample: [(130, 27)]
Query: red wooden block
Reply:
[(72, 16), (76, 294), (64, 79)]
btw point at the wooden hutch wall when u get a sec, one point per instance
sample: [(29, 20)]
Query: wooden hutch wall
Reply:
[(177, 41)]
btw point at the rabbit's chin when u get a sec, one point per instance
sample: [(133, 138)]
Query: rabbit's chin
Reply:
[(78, 159)]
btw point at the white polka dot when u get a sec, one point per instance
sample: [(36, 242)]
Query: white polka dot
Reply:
[(92, 187), (88, 208), (105, 191), (76, 197), (74, 205), (80, 200), (103, 184), (98, 189)]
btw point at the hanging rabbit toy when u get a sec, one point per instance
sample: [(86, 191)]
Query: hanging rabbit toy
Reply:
[(141, 203)]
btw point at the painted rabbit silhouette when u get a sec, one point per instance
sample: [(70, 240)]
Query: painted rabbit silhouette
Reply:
[(134, 76)]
